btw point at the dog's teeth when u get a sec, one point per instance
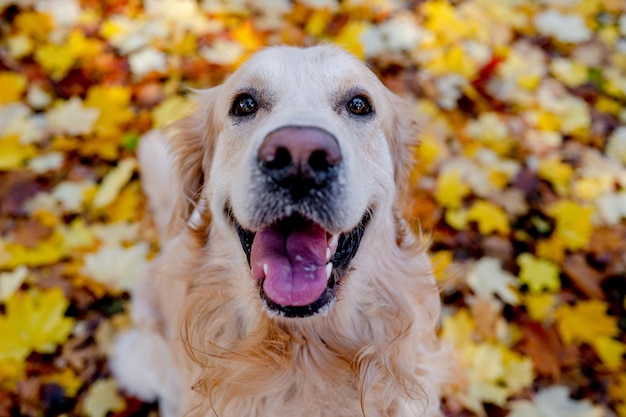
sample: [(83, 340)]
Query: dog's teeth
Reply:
[(265, 269), (328, 254), (329, 269), (333, 241)]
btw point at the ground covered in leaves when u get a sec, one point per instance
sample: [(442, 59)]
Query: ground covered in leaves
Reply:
[(521, 181)]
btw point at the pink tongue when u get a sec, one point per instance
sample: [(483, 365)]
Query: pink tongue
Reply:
[(295, 264)]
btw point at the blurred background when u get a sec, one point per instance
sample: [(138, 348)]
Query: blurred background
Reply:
[(520, 181)]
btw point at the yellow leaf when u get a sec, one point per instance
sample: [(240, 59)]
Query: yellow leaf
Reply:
[(558, 173), (539, 274), (585, 322), (115, 110), (113, 183), (59, 59), (441, 18), (452, 60), (498, 372), (540, 306), (34, 320), (13, 154), (34, 24), (11, 371), (490, 218), (610, 351), (451, 190), (458, 329), (101, 398), (55, 59), (67, 379), (46, 252), (126, 204), (247, 36), (170, 110), (457, 218), (573, 223), (617, 390), (12, 86), (349, 38), (441, 261), (552, 248), (427, 153), (570, 73), (77, 235), (318, 21)]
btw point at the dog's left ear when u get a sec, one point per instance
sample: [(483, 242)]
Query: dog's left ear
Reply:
[(402, 135), (192, 144)]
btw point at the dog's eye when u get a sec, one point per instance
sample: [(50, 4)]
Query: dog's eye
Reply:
[(359, 105), (244, 105)]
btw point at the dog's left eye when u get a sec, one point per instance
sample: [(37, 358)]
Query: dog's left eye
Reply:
[(244, 105), (359, 105)]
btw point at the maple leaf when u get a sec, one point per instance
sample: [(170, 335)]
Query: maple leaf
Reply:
[(610, 351), (573, 223), (147, 60), (566, 28), (558, 173), (487, 278), (538, 274), (540, 306), (349, 37), (586, 321), (113, 104), (495, 372), (13, 154), (11, 87), (458, 329), (171, 109), (17, 119), (116, 266), (451, 190), (34, 24), (71, 117), (489, 217), (34, 321), (554, 402), (102, 398)]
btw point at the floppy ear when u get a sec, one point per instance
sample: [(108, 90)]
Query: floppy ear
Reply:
[(192, 143), (402, 134)]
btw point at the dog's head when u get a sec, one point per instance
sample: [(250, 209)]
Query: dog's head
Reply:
[(294, 155)]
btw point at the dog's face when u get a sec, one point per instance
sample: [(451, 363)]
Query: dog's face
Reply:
[(301, 149)]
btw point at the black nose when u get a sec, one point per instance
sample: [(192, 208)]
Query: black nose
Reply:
[(299, 158)]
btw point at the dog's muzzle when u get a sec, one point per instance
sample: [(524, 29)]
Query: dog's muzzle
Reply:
[(293, 255)]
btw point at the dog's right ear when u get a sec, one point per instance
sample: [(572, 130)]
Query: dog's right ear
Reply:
[(192, 144)]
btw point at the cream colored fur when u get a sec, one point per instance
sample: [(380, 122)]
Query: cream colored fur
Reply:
[(203, 343)]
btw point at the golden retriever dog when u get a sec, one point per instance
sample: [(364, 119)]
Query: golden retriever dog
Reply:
[(288, 284)]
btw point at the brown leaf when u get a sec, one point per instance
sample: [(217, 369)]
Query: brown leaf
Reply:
[(15, 188), (543, 346), (584, 277), (486, 314), (28, 397), (30, 231), (7, 404)]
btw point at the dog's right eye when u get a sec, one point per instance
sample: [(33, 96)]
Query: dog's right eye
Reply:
[(244, 105)]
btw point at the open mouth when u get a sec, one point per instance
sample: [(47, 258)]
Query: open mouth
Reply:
[(297, 263)]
